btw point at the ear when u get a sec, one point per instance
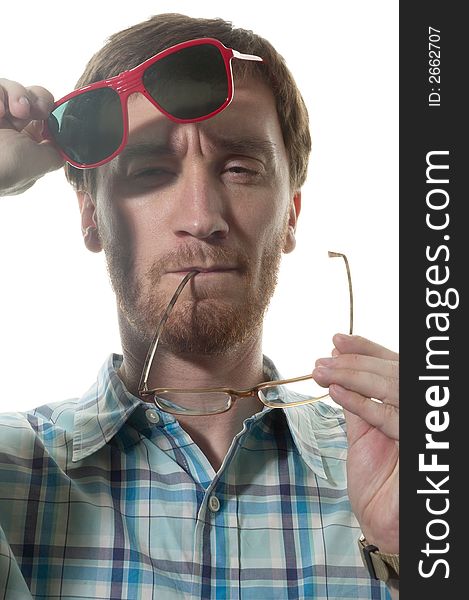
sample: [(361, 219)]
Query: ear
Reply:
[(89, 226), (295, 207)]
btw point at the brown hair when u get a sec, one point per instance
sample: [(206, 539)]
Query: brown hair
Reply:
[(130, 47)]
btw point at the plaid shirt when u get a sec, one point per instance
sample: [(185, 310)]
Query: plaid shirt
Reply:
[(105, 497)]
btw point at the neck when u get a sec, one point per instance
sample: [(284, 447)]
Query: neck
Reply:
[(239, 367)]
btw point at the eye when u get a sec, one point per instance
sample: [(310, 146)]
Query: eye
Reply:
[(248, 171), (240, 169), (152, 176)]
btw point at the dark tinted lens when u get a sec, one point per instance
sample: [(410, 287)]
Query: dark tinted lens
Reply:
[(89, 127), (190, 83)]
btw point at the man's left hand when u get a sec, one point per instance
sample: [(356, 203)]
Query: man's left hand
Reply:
[(363, 377)]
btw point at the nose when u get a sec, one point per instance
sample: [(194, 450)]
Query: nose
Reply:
[(201, 207)]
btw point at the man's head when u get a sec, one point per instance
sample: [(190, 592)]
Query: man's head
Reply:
[(221, 195), (128, 48)]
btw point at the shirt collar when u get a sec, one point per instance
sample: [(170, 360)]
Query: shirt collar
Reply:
[(306, 424), (102, 410), (107, 405)]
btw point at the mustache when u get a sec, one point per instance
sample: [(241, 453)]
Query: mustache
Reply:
[(187, 255)]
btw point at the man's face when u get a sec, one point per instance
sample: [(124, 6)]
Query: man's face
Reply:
[(213, 196)]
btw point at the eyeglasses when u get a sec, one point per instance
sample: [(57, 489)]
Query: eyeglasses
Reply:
[(211, 401), (188, 82)]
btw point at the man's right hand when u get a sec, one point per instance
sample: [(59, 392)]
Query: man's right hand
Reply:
[(24, 155)]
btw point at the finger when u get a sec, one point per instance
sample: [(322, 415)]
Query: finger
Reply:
[(356, 344), (360, 362), (16, 103), (42, 101), (2, 103), (5, 116), (369, 384), (384, 368), (20, 105), (381, 415)]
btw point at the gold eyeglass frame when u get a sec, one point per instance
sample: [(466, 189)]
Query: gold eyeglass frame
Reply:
[(232, 395)]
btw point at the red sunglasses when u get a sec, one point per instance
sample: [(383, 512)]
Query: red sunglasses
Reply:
[(188, 82)]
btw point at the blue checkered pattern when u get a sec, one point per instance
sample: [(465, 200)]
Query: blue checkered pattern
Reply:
[(100, 499)]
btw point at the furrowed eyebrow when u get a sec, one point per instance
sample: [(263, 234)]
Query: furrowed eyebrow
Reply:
[(246, 145), (242, 145), (145, 149)]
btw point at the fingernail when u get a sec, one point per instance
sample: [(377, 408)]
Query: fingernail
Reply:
[(24, 101), (342, 336), (324, 361), (321, 372)]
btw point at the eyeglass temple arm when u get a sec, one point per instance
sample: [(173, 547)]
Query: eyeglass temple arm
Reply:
[(142, 386), (242, 56), (349, 277)]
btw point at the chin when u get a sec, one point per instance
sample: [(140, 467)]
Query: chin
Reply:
[(207, 318), (210, 327)]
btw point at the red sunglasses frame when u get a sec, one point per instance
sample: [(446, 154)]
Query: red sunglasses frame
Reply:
[(131, 81)]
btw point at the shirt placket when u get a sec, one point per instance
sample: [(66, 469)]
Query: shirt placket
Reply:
[(216, 537)]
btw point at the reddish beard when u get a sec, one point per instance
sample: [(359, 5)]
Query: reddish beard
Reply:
[(202, 322)]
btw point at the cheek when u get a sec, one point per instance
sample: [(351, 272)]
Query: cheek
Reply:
[(266, 234), (129, 226), (144, 238), (270, 221), (118, 230)]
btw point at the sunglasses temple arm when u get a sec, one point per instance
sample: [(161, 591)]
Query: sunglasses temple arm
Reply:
[(350, 292), (242, 56), (349, 277), (142, 386)]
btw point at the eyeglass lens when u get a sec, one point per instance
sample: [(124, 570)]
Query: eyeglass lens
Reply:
[(88, 127), (193, 402)]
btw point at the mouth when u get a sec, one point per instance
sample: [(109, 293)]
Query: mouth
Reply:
[(204, 270)]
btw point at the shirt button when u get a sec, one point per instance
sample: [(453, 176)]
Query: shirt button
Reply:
[(214, 504), (152, 416)]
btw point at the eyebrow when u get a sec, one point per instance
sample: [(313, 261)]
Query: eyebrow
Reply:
[(232, 145), (246, 145), (145, 149)]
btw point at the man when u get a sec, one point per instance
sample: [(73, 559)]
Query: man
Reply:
[(130, 492)]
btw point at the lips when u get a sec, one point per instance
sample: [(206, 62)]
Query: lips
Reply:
[(212, 269)]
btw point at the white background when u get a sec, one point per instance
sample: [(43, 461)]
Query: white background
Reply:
[(57, 312)]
